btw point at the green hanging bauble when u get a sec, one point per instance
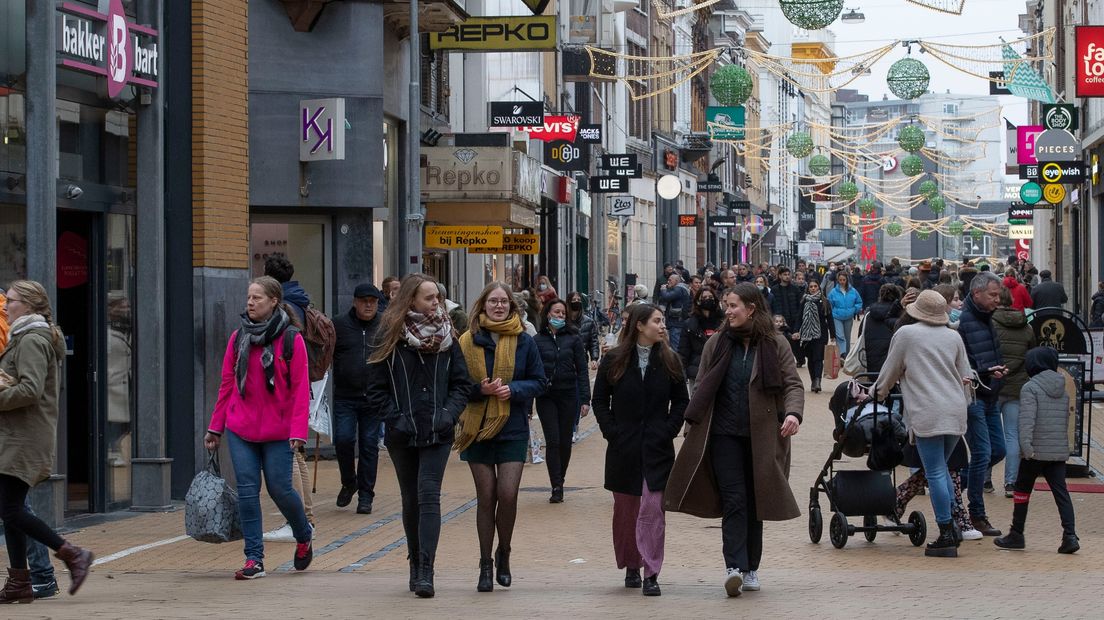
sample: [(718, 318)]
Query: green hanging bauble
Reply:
[(799, 144), (937, 204), (911, 138), (820, 165), (848, 191), (929, 189), (955, 227), (977, 233), (811, 14), (908, 78), (923, 233), (867, 206), (731, 85), (912, 165), (893, 229)]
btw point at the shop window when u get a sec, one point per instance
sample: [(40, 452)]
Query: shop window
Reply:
[(121, 261), (13, 243), (304, 242)]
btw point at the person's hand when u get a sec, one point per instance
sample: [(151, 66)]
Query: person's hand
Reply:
[(998, 372), (584, 411), (967, 380), (211, 441), (790, 426), (909, 297), (488, 387), (503, 391), (795, 336), (594, 365), (296, 444)]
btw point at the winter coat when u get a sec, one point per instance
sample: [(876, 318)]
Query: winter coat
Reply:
[(565, 362), (1021, 299), (787, 302), (845, 304), (419, 395), (982, 347), (692, 488), (1096, 313), (1045, 418), (869, 288), (29, 409), (298, 299), (677, 300), (1048, 294), (588, 332), (639, 418), (1016, 338), (827, 325), (261, 415), (877, 332), (527, 383), (930, 362), (354, 345), (695, 334)]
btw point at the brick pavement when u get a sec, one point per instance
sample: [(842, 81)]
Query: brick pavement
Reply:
[(563, 561)]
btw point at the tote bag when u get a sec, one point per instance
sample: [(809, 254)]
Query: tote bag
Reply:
[(211, 506)]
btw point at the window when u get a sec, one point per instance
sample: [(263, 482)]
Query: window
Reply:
[(639, 110), (950, 109), (305, 241), (434, 79)]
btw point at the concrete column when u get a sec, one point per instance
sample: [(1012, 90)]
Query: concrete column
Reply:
[(150, 482)]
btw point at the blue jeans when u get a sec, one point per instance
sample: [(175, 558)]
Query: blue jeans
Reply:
[(274, 458), (38, 559), (674, 333), (985, 437), (355, 423), (1010, 411), (843, 335), (934, 452)]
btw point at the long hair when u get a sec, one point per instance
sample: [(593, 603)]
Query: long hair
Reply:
[(623, 352), (481, 302), (575, 317), (761, 321), (393, 322), (696, 310), (34, 297)]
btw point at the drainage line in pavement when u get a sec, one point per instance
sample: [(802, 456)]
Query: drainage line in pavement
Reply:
[(344, 540)]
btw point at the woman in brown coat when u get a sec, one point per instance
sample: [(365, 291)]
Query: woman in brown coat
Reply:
[(735, 463)]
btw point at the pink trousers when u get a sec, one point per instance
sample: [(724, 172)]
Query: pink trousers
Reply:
[(639, 528)]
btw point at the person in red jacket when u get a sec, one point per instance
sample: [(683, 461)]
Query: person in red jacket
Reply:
[(1021, 298), (262, 408)]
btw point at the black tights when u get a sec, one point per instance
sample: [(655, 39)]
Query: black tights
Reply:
[(19, 523), (496, 489)]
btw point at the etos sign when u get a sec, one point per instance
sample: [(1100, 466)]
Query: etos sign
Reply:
[(107, 45)]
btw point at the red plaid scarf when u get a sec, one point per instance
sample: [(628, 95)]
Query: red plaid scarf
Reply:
[(428, 333)]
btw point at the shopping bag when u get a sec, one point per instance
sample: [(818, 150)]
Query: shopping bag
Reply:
[(855, 364), (320, 420), (832, 360), (211, 506)]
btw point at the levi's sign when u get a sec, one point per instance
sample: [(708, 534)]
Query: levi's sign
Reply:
[(516, 113), (498, 34), (106, 44), (554, 127)]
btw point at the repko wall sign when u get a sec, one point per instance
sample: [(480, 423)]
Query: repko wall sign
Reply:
[(498, 34), (104, 43)]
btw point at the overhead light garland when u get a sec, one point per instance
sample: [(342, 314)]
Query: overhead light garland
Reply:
[(661, 11), (954, 7)]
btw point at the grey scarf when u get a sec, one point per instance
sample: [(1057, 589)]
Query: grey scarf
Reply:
[(260, 334), (810, 317)]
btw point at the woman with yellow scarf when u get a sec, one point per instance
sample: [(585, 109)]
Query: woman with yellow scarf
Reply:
[(493, 432)]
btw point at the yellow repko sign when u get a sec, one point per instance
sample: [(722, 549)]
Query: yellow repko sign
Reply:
[(463, 237), (512, 244), (498, 34)]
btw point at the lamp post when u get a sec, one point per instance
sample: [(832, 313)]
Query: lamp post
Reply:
[(409, 229), (667, 187)]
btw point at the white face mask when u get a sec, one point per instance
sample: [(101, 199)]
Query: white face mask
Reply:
[(544, 287)]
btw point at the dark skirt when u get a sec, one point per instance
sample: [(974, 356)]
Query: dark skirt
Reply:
[(492, 452)]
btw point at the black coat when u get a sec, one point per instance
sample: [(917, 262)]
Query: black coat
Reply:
[(640, 418), (1096, 313), (353, 346), (982, 347), (787, 302), (565, 362), (869, 287), (1048, 294), (696, 331), (588, 332), (877, 332), (421, 395)]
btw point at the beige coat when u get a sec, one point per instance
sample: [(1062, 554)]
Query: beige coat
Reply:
[(29, 409)]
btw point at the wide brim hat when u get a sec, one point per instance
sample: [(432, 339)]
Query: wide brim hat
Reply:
[(930, 307)]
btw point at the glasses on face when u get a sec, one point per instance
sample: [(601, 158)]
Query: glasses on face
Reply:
[(12, 300), (498, 302)]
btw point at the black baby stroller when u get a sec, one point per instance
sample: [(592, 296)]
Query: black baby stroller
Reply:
[(877, 431)]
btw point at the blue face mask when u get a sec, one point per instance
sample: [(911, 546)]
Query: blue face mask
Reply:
[(955, 315), (557, 323)]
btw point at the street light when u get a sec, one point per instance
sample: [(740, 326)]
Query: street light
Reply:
[(669, 186), (853, 16)]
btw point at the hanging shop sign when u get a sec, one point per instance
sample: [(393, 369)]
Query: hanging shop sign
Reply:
[(722, 221), (710, 186), (1031, 193), (688, 221), (1066, 173), (611, 161), (728, 117), (321, 129), (1025, 143), (622, 206), (566, 156), (609, 184), (1029, 172), (1022, 214), (461, 237), (1023, 249), (1089, 60), (997, 84), (536, 6), (589, 134), (554, 127), (108, 45), (512, 244), (1010, 157), (1021, 231), (1057, 145), (670, 159), (739, 205), (516, 113), (1054, 193), (498, 34), (1061, 116)]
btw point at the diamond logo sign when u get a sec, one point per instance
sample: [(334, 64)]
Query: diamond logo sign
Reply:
[(465, 155)]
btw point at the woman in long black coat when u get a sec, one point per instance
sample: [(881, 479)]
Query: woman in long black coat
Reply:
[(639, 399), (705, 320)]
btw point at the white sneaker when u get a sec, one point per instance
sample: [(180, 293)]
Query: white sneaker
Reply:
[(537, 458), (574, 437), (971, 534), (280, 534), (734, 580), (751, 581)]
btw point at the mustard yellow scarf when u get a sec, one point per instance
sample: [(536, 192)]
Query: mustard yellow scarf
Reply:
[(483, 419)]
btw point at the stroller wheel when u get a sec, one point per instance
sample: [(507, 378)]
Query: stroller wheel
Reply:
[(870, 521), (837, 530), (816, 524), (919, 532)]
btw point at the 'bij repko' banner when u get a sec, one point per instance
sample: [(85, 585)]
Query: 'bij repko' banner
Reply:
[(480, 240), (104, 43), (498, 34)]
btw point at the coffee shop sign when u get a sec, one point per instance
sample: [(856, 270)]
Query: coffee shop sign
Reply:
[(104, 43)]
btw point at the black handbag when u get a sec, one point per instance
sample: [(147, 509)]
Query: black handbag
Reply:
[(885, 451)]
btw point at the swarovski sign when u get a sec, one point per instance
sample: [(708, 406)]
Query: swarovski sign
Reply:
[(104, 43)]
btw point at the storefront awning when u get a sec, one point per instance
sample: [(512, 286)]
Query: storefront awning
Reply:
[(506, 214)]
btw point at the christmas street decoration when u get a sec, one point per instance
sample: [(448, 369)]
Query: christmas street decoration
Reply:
[(662, 13), (731, 85), (893, 229), (820, 165), (953, 7), (911, 138), (937, 204), (908, 78), (811, 14), (867, 206), (929, 189), (799, 144), (912, 166), (955, 228), (848, 191)]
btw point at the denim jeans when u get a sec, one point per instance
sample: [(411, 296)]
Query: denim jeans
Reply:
[(934, 452), (250, 458), (843, 336), (674, 333), (1010, 411), (355, 423), (38, 559), (420, 471), (985, 437)]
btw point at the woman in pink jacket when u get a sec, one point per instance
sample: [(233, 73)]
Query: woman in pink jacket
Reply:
[(262, 409)]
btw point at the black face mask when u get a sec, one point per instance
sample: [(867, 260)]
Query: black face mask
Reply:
[(708, 304), (575, 305)]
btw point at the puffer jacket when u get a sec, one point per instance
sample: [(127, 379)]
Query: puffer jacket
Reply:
[(352, 348), (1021, 299), (588, 333), (869, 287), (877, 332), (1016, 339), (982, 347), (698, 329), (1044, 412), (1096, 314), (565, 362)]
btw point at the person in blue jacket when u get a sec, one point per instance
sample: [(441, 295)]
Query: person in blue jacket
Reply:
[(846, 305), (493, 436)]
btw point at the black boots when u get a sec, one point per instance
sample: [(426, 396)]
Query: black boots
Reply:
[(945, 546), (413, 559), (502, 567), (632, 577), (486, 579), (557, 496), (1014, 539), (651, 586), (1070, 543), (423, 587), (816, 386), (17, 589)]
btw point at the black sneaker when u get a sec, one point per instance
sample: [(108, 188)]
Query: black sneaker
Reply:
[(364, 507), (345, 495), (46, 590), (988, 487), (252, 570), (1009, 489), (632, 577), (651, 586), (304, 553)]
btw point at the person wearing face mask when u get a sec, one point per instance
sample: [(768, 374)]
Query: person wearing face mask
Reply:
[(705, 320), (816, 328), (545, 291), (588, 330), (765, 290)]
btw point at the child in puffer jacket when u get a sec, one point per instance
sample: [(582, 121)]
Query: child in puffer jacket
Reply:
[(1044, 447)]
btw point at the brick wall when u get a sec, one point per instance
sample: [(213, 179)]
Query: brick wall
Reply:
[(220, 134)]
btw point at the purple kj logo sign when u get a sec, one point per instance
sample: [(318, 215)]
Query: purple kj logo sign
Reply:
[(321, 129)]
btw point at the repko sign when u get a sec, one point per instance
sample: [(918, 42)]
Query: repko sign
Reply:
[(105, 43)]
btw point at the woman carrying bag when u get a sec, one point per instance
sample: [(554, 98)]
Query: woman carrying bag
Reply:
[(816, 328), (735, 463)]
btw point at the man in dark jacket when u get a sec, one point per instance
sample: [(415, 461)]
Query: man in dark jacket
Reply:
[(871, 284), (675, 297), (984, 431), (355, 422), (278, 266), (1048, 293), (787, 302)]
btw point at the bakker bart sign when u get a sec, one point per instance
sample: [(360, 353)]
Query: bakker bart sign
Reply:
[(104, 43)]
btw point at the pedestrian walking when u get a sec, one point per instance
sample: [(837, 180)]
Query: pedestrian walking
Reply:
[(545, 291), (1021, 299), (30, 368), (787, 302), (877, 328), (816, 328), (735, 463), (568, 393), (356, 423), (505, 365), (639, 399), (1096, 311), (1048, 293), (929, 360), (1044, 447), (1015, 338), (675, 297), (705, 319), (262, 409), (588, 329), (846, 306), (418, 381)]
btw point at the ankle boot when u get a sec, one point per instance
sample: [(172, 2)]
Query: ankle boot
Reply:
[(944, 546), (78, 561), (1014, 539), (17, 589), (1070, 543), (412, 558), (816, 385), (502, 567), (424, 586), (486, 577)]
